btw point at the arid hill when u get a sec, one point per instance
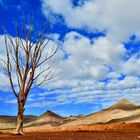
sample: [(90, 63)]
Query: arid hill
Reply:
[(72, 118), (48, 117), (124, 105), (122, 111), (111, 123)]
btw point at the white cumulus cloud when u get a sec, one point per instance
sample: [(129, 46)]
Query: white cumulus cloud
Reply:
[(120, 19)]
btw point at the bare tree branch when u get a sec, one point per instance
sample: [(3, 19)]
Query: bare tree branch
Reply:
[(9, 68)]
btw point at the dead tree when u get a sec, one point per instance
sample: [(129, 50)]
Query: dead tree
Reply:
[(28, 60)]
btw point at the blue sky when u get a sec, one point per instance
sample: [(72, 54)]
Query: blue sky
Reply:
[(99, 60)]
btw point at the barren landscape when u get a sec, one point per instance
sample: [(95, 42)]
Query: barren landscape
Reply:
[(118, 122), (69, 70)]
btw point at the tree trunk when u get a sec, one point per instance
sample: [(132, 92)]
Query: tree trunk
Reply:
[(19, 128)]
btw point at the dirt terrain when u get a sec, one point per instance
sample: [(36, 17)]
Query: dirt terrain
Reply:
[(130, 131), (74, 136)]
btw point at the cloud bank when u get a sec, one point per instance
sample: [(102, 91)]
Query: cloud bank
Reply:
[(98, 69)]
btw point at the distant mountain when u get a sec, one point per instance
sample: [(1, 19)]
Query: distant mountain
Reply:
[(50, 114), (11, 121), (72, 118), (122, 111), (48, 117), (124, 105), (27, 118)]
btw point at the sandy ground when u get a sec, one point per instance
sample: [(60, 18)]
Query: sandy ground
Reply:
[(130, 131), (74, 136)]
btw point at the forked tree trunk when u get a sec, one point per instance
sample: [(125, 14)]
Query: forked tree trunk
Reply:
[(19, 128), (34, 59)]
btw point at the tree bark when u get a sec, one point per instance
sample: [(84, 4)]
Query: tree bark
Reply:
[(19, 128)]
